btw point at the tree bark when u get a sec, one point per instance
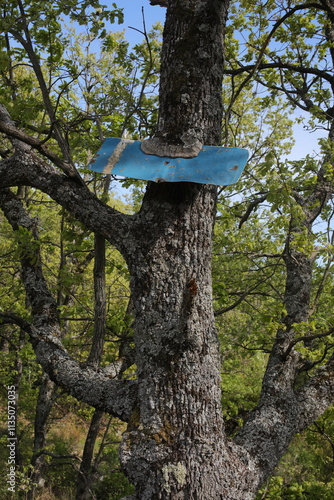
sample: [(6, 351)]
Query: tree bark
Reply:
[(85, 479), (190, 103), (44, 405), (174, 446), (100, 312)]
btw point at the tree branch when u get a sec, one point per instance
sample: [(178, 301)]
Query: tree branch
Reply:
[(162, 3), (14, 319), (33, 57), (256, 65), (250, 209), (307, 338), (316, 395), (30, 170), (117, 397), (280, 65)]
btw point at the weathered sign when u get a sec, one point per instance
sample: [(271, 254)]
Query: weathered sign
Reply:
[(213, 165)]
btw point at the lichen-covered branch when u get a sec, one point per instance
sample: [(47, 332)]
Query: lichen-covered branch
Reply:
[(28, 169), (94, 387), (285, 408)]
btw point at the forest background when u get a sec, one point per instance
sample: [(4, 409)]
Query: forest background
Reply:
[(101, 87)]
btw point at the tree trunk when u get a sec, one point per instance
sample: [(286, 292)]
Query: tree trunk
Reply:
[(177, 351), (84, 479), (192, 61), (85, 474), (175, 447), (44, 405)]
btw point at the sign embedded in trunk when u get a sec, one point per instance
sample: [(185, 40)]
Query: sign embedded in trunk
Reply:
[(213, 165)]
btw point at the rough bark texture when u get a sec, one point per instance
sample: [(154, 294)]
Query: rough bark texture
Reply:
[(190, 111), (85, 475), (44, 405), (175, 435), (175, 438), (175, 447)]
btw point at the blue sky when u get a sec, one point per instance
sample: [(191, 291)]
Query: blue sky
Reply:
[(133, 17), (306, 142)]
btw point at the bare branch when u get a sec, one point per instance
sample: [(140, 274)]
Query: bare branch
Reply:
[(280, 65), (257, 64), (14, 319), (21, 140)]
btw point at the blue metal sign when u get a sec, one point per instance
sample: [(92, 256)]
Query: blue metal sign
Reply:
[(213, 165)]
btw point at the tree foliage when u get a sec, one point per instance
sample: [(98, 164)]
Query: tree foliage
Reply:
[(66, 83)]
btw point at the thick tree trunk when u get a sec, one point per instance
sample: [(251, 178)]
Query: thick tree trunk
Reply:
[(177, 351), (175, 447), (190, 103)]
